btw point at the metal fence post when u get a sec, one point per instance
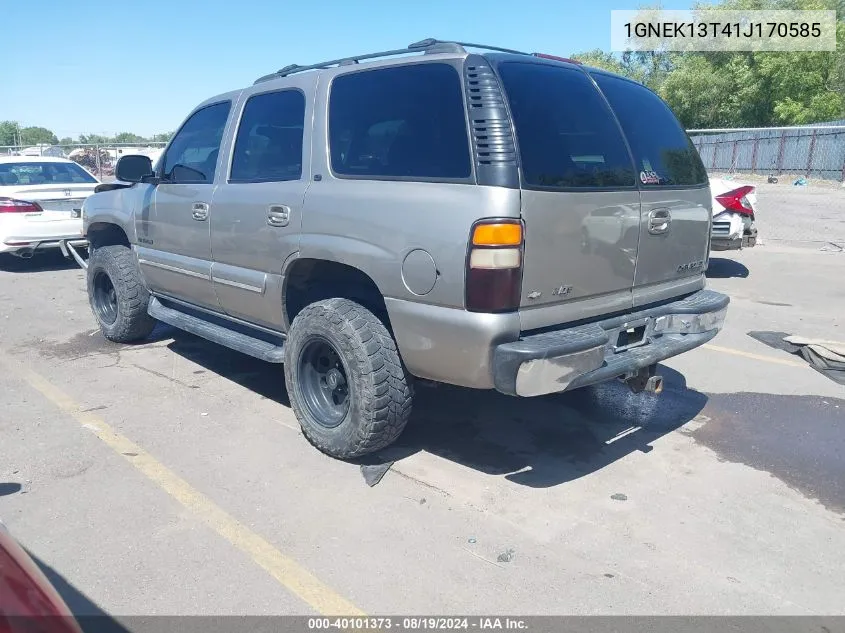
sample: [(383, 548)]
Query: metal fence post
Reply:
[(97, 161), (842, 180), (733, 157), (810, 153), (754, 155), (780, 152)]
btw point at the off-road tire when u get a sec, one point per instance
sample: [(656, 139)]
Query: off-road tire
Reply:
[(380, 392), (132, 323)]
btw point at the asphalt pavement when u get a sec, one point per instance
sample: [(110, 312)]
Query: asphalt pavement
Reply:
[(170, 477)]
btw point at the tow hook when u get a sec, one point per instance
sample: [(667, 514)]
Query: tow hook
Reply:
[(645, 379)]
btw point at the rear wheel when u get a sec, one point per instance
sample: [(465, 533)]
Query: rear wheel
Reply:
[(345, 380), (117, 294)]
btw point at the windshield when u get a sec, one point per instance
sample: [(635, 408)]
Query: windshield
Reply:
[(43, 174)]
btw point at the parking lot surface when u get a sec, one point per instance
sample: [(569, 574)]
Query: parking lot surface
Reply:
[(170, 477)]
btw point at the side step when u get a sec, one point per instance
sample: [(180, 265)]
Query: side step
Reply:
[(239, 341)]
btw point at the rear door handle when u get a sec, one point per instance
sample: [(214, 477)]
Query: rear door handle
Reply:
[(199, 211), (659, 221), (278, 215)]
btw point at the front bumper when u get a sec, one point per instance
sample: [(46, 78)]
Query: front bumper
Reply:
[(734, 243), (595, 352)]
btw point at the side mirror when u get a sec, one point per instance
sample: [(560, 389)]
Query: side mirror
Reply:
[(133, 168)]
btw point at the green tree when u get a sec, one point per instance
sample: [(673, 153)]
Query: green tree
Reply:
[(93, 138), (37, 136), (601, 59), (128, 137), (66, 140), (162, 138), (8, 133)]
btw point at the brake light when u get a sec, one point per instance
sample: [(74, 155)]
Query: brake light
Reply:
[(494, 266), (10, 205), (736, 200), (556, 58)]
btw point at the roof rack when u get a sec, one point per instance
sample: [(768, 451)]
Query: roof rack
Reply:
[(426, 46)]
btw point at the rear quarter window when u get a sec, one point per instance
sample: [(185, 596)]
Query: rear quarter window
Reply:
[(663, 153), (404, 122)]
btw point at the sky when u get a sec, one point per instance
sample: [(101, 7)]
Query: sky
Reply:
[(103, 67)]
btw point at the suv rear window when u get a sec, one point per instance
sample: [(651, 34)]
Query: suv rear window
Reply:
[(663, 153), (401, 122), (566, 133)]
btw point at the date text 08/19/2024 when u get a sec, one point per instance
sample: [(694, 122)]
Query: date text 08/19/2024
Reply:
[(417, 623)]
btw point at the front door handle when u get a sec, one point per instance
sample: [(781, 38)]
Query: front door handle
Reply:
[(199, 211), (659, 221), (278, 215)]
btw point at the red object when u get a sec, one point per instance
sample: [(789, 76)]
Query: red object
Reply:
[(735, 200), (556, 58), (493, 289), (28, 602), (10, 205)]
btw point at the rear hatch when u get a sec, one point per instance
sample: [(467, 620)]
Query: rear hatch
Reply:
[(606, 213), (674, 193)]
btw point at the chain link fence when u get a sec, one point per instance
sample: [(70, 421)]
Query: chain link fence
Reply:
[(97, 158), (810, 151)]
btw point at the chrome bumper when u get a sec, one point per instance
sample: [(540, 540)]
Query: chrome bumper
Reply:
[(573, 357)]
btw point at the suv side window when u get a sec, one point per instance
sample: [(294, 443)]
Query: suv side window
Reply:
[(566, 132), (663, 153), (268, 147), (192, 155), (400, 122)]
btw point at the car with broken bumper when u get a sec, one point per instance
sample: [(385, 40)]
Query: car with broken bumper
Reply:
[(734, 215), (41, 203), (417, 213)]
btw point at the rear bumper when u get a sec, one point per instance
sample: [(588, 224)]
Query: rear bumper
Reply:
[(31, 244), (587, 354), (732, 231)]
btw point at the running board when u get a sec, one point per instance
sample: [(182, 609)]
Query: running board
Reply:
[(238, 341)]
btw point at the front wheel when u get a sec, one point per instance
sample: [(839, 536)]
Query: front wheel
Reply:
[(117, 294), (345, 380)]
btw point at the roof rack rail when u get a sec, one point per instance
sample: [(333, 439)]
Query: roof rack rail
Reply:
[(427, 46)]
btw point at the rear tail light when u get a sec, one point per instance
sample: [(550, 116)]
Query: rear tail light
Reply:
[(736, 200), (10, 205), (494, 266)]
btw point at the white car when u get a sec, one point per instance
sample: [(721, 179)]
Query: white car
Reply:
[(734, 208), (41, 203)]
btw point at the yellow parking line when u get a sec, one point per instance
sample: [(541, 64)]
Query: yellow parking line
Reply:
[(768, 359), (285, 570)]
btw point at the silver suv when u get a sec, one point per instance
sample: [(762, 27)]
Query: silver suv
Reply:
[(496, 220)]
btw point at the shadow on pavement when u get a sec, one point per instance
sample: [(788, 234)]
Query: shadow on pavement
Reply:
[(91, 618), (721, 268), (9, 488), (265, 379), (536, 442), (49, 260), (545, 441)]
